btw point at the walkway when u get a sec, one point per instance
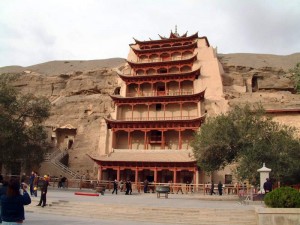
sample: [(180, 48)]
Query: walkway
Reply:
[(142, 209)]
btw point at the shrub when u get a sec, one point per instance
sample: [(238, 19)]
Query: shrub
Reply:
[(284, 197)]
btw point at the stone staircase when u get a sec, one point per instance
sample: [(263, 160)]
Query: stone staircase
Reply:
[(55, 157), (165, 215)]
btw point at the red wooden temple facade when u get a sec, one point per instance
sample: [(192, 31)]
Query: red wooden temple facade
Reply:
[(158, 108)]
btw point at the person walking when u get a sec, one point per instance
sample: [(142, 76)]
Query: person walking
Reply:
[(212, 187), (268, 186), (35, 184), (115, 187), (13, 203), (31, 183), (128, 187), (3, 189), (220, 188), (146, 183), (43, 184)]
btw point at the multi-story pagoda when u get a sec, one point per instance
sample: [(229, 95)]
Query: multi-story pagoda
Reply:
[(158, 108)]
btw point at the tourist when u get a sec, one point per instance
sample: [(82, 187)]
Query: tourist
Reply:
[(128, 187), (179, 189), (63, 181), (43, 184), (121, 185), (35, 184), (220, 188), (13, 203), (3, 189), (268, 186), (146, 183), (31, 181), (212, 187), (115, 187)]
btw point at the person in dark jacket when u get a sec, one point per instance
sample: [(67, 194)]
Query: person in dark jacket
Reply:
[(43, 184), (3, 189), (212, 187), (268, 186), (220, 188), (13, 203), (128, 187), (115, 187)]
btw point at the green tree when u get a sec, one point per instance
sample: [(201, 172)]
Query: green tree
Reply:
[(296, 76), (22, 135), (249, 138)]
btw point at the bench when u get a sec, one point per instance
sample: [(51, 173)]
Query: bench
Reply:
[(162, 189)]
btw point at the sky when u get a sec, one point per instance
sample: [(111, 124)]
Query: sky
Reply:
[(37, 31)]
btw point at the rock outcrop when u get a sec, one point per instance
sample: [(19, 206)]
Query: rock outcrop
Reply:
[(79, 93)]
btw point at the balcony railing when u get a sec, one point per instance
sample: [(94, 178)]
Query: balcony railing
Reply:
[(158, 93), (158, 118), (175, 58)]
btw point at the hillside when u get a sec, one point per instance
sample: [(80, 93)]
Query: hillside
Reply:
[(79, 92)]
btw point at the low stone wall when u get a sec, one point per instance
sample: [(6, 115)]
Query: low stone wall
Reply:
[(277, 216)]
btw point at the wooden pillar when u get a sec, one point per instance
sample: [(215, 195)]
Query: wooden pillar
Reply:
[(136, 176), (138, 90), (165, 88), (99, 173), (118, 173), (162, 139), (155, 175), (128, 139), (179, 139), (113, 144), (132, 112), (152, 89), (148, 111), (179, 87), (145, 140), (180, 110), (164, 111), (175, 175)]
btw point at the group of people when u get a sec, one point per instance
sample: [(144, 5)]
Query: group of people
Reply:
[(128, 187), (220, 188)]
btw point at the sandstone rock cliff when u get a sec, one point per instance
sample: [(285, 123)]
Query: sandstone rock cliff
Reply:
[(79, 93)]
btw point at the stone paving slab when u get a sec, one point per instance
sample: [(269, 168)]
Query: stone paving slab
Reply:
[(175, 201)]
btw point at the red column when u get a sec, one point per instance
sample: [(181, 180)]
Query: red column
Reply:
[(164, 111), (113, 139), (179, 87), (145, 140), (180, 141), (128, 139), (162, 140), (175, 175), (99, 173), (155, 175), (132, 112), (180, 109), (138, 92), (136, 176), (118, 173), (148, 111)]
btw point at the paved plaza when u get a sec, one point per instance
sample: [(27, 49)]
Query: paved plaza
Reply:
[(52, 214)]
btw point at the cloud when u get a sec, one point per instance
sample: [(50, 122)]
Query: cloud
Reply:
[(35, 31)]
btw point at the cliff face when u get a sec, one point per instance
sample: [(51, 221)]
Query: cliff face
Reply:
[(79, 98), (79, 93), (260, 78)]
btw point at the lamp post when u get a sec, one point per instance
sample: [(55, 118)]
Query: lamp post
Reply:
[(264, 174)]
